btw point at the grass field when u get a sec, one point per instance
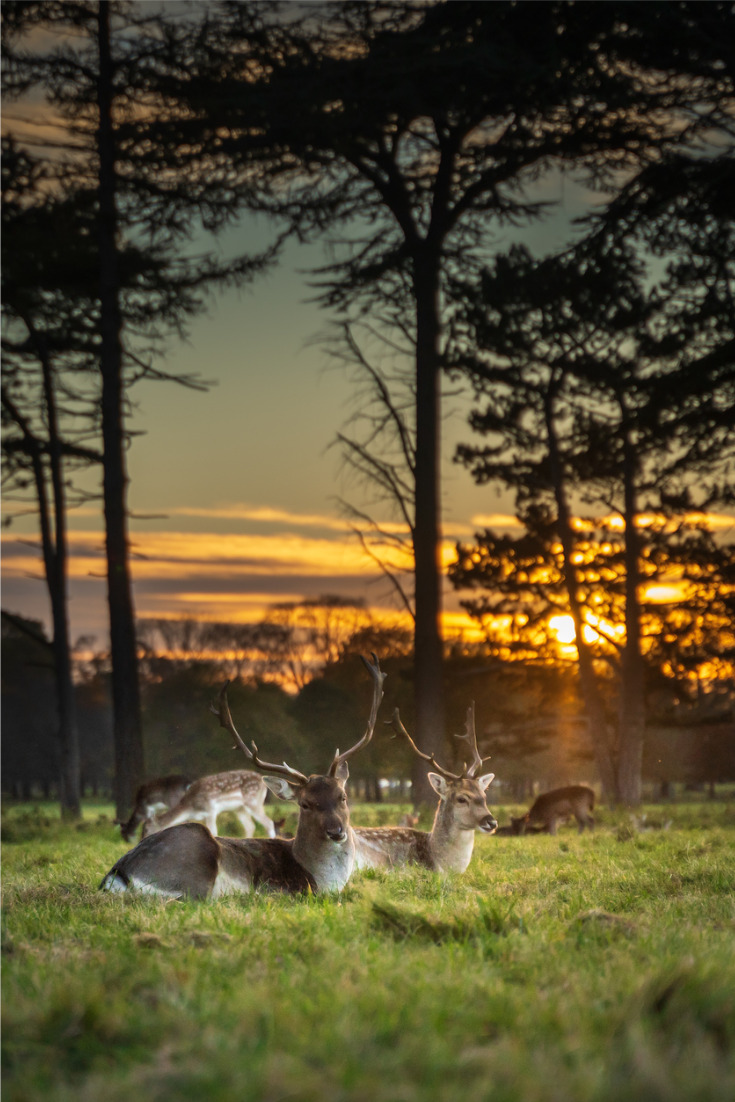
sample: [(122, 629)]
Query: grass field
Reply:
[(592, 968)]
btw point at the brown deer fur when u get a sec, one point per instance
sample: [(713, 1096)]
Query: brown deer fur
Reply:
[(551, 808)]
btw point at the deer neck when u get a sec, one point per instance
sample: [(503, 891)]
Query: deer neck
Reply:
[(329, 863), (450, 845)]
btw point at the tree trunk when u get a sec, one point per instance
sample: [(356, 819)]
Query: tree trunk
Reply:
[(632, 704), (56, 576), (603, 739), (428, 651), (129, 769), (54, 550)]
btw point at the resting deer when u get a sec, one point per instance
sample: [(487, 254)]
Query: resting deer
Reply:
[(552, 807), (187, 860), (160, 794), (240, 790), (461, 811)]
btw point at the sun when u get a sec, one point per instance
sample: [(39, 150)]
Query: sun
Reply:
[(563, 628)]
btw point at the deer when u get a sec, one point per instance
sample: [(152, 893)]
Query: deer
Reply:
[(189, 861), (155, 795), (550, 808), (409, 819), (240, 790), (462, 809)]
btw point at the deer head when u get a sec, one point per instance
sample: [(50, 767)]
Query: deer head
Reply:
[(462, 803)]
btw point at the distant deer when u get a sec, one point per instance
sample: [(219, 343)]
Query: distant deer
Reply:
[(461, 811), (187, 860), (159, 794), (551, 808), (240, 790), (409, 820)]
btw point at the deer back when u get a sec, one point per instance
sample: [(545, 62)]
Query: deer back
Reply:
[(186, 861), (234, 790), (575, 800), (391, 847)]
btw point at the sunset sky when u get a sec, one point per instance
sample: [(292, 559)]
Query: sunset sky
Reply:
[(239, 483), (234, 491)]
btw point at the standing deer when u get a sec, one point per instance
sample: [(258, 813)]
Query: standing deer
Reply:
[(549, 809), (462, 810), (187, 860), (240, 790), (160, 794)]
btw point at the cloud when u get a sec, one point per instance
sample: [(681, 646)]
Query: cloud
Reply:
[(494, 520)]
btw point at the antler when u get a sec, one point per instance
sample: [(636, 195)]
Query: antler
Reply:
[(471, 737), (398, 727), (222, 711), (378, 678)]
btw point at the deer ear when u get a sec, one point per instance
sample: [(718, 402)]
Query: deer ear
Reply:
[(342, 772), (486, 780), (439, 784), (280, 788)]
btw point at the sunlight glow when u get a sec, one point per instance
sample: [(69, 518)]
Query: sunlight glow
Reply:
[(562, 627), (664, 594)]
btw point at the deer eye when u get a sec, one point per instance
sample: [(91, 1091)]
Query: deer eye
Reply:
[(305, 805), (462, 800)]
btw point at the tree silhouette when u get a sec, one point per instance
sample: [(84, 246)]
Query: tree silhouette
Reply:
[(413, 132), (48, 401), (111, 72), (609, 378)]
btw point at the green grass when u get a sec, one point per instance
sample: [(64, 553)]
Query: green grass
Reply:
[(593, 968)]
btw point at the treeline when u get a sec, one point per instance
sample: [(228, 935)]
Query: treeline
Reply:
[(529, 716)]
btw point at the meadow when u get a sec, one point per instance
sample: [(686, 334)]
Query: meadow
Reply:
[(579, 968)]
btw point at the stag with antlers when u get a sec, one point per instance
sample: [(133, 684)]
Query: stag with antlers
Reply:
[(462, 810), (187, 860)]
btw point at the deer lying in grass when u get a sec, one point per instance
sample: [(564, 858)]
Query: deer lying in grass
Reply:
[(551, 808), (239, 790), (461, 811), (187, 860), (159, 794)]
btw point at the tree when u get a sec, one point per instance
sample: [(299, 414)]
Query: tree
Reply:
[(29, 749), (111, 73), (421, 129), (379, 452), (609, 377), (44, 336)]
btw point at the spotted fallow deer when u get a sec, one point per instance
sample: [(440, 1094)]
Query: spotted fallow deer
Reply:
[(551, 808), (462, 810), (159, 794), (240, 790), (187, 860)]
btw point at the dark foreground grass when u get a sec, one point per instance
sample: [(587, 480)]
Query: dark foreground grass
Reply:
[(579, 968)]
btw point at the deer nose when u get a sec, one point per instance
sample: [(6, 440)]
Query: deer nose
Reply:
[(488, 825), (336, 834)]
